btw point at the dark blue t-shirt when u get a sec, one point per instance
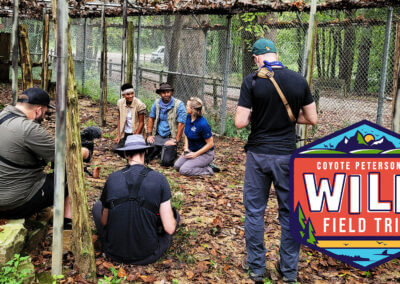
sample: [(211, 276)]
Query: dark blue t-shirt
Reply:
[(197, 132)]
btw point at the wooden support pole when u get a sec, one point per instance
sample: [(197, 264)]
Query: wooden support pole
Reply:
[(82, 246), (123, 57), (396, 82), (103, 71), (45, 51), (25, 57), (130, 51), (14, 46)]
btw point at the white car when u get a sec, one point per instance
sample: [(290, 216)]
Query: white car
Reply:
[(158, 55)]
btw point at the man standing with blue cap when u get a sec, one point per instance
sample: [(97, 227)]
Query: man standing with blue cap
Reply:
[(272, 101)]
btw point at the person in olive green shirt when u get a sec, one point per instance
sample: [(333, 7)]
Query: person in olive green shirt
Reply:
[(25, 148)]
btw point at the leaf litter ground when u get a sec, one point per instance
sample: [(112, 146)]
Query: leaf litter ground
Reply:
[(209, 245)]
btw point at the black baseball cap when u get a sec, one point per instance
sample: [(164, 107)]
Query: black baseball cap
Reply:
[(35, 96)]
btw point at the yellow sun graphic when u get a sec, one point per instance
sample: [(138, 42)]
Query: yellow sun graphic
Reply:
[(369, 137)]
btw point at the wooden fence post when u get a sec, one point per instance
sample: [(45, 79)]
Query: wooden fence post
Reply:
[(25, 57), (45, 52)]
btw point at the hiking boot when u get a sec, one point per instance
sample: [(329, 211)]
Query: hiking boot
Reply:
[(214, 168), (257, 278), (284, 278)]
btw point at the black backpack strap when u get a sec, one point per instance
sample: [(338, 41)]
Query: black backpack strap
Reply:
[(10, 115), (134, 187)]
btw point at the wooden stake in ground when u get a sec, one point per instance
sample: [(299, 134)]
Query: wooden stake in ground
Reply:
[(25, 57), (130, 51), (45, 51), (103, 72), (82, 246)]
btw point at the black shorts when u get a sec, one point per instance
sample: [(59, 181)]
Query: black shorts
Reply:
[(42, 199)]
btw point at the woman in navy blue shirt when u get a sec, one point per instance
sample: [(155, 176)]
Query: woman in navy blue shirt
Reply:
[(199, 144)]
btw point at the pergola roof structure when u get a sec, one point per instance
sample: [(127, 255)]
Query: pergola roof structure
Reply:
[(114, 8)]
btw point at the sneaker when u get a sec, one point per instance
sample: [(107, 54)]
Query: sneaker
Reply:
[(214, 168), (257, 278), (284, 278)]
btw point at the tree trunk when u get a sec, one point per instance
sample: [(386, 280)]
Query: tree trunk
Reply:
[(300, 37), (89, 44), (220, 60), (347, 55), (248, 38), (328, 67), (336, 43), (361, 81), (319, 72), (35, 41), (323, 57), (174, 51), (130, 51), (25, 57), (191, 60), (236, 58), (82, 237)]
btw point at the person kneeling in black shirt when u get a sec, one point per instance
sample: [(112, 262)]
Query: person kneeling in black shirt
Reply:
[(134, 217)]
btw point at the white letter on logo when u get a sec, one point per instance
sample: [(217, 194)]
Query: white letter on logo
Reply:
[(355, 193), (374, 202), (316, 198)]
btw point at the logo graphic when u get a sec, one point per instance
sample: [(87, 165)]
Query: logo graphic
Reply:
[(345, 197)]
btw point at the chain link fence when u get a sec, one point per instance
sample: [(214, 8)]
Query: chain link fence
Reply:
[(191, 53)]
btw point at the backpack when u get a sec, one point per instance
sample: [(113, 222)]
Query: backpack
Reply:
[(127, 239)]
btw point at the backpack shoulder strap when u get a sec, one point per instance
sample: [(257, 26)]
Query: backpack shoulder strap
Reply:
[(8, 116), (8, 162), (134, 187), (266, 74)]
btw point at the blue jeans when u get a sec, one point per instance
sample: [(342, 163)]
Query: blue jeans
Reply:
[(261, 171)]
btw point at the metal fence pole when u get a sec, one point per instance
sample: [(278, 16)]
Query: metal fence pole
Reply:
[(384, 65), (59, 183), (14, 45), (124, 26), (138, 56), (226, 74), (84, 52), (203, 81)]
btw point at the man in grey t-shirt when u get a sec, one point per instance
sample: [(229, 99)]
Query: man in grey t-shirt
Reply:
[(25, 148)]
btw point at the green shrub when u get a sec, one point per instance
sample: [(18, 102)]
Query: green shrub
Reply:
[(13, 272), (114, 279), (230, 128)]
